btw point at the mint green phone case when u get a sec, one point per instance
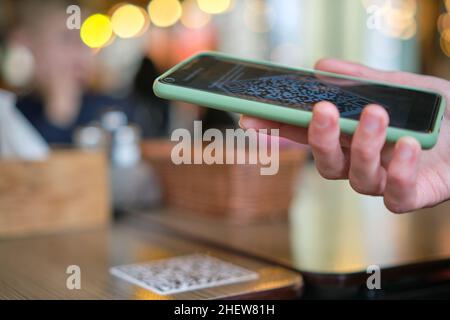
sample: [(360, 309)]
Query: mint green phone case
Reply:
[(279, 113)]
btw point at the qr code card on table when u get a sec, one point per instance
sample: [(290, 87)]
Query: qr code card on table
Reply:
[(183, 273)]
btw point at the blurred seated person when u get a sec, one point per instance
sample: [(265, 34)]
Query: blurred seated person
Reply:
[(155, 111), (151, 113), (59, 101)]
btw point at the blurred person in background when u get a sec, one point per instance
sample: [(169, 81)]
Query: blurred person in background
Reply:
[(59, 100), (156, 111), (152, 113)]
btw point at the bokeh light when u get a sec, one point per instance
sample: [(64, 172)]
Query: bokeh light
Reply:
[(129, 21), (444, 22), (396, 19), (96, 31), (445, 42), (164, 13), (214, 6), (446, 35), (193, 17), (443, 25), (18, 65)]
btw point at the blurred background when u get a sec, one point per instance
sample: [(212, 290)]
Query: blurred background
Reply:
[(82, 73), (391, 34), (116, 49)]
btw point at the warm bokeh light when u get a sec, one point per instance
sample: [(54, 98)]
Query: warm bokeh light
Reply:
[(18, 65), (193, 17), (96, 31), (445, 42), (128, 21), (164, 13), (409, 31), (443, 25), (446, 35), (444, 22), (214, 6), (394, 19)]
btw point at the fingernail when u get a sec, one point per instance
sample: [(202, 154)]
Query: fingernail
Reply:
[(405, 151), (321, 120), (371, 124), (243, 122)]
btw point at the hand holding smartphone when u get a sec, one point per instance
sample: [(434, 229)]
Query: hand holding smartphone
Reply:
[(287, 95), (273, 96)]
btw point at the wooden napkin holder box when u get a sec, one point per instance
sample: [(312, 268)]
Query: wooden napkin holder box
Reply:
[(68, 191)]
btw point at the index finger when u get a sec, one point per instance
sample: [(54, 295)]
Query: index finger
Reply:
[(291, 132), (294, 133)]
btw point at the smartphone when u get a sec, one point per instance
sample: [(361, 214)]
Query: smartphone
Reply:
[(285, 94)]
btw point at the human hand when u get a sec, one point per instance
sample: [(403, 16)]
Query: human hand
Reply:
[(407, 177)]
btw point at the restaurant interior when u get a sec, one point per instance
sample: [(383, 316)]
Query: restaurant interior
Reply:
[(87, 185)]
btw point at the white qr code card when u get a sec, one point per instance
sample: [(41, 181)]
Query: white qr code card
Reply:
[(183, 273)]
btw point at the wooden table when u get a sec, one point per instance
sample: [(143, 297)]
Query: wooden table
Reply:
[(332, 234), (35, 267)]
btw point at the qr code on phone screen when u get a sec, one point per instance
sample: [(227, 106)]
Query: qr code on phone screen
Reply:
[(299, 92), (183, 273)]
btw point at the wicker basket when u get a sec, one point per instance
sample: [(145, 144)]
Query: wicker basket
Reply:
[(68, 191), (239, 192)]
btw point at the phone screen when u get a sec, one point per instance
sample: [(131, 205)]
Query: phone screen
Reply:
[(407, 108)]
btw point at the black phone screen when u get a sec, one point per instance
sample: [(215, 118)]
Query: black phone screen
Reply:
[(407, 108)]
